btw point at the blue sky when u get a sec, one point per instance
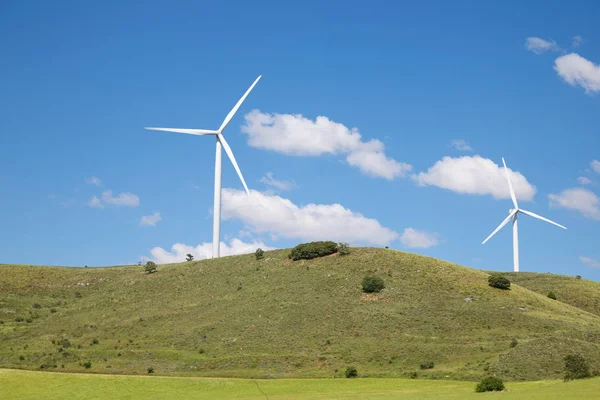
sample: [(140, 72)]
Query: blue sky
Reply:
[(81, 80)]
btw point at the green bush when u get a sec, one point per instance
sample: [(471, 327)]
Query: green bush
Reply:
[(490, 384), (308, 251), (150, 370), (413, 375), (259, 253), (150, 267), (372, 284), (351, 372), (576, 367), (427, 365), (343, 248), (498, 281), (551, 295), (514, 343), (578, 277), (95, 341), (87, 364)]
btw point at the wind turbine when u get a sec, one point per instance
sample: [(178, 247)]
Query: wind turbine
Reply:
[(513, 214), (220, 142)]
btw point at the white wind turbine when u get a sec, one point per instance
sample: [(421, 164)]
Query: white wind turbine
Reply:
[(513, 214), (220, 142)]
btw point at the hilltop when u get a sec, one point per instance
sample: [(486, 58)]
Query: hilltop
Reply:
[(238, 316)]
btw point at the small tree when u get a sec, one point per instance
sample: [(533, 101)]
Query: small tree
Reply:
[(576, 367), (351, 372), (150, 267), (259, 253), (372, 284), (343, 248), (551, 295), (490, 384), (189, 257), (499, 282)]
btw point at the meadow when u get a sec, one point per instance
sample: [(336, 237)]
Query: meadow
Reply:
[(29, 385)]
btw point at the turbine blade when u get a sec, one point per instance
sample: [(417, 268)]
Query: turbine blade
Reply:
[(188, 131), (232, 158), (542, 218), (500, 226), (512, 192), (237, 106)]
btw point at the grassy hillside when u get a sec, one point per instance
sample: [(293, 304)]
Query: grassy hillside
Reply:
[(28, 385), (237, 316)]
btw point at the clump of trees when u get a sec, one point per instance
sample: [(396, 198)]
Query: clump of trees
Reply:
[(576, 367), (372, 284), (189, 257), (308, 251), (490, 384), (499, 282), (150, 267)]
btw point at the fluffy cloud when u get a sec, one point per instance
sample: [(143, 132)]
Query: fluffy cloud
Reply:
[(590, 262), (93, 181), (595, 164), (151, 220), (281, 185), (578, 71), (414, 239), (578, 199), (179, 251), (540, 46), (577, 41), (461, 144), (95, 203), (279, 216), (298, 136), (475, 175), (582, 180), (123, 199)]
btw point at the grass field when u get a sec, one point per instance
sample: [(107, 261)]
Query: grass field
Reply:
[(274, 318), (29, 385)]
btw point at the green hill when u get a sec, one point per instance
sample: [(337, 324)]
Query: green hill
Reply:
[(236, 316)]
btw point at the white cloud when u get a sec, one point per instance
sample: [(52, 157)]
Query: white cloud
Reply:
[(281, 185), (151, 220), (298, 136), (540, 46), (461, 144), (264, 213), (95, 203), (582, 180), (93, 181), (590, 262), (578, 199), (123, 199), (475, 175), (202, 251), (578, 71), (577, 41), (595, 164), (413, 239)]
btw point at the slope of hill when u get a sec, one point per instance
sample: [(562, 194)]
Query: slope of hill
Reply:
[(237, 316)]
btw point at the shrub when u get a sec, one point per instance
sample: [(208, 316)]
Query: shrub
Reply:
[(65, 343), (19, 319), (372, 284), (36, 305), (95, 341), (427, 365), (578, 277), (551, 295), (343, 248), (308, 251), (21, 357), (576, 367), (78, 295), (52, 310), (498, 281), (189, 257), (150, 370), (259, 253), (514, 343), (87, 364), (490, 384), (150, 267), (351, 372), (413, 375)]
